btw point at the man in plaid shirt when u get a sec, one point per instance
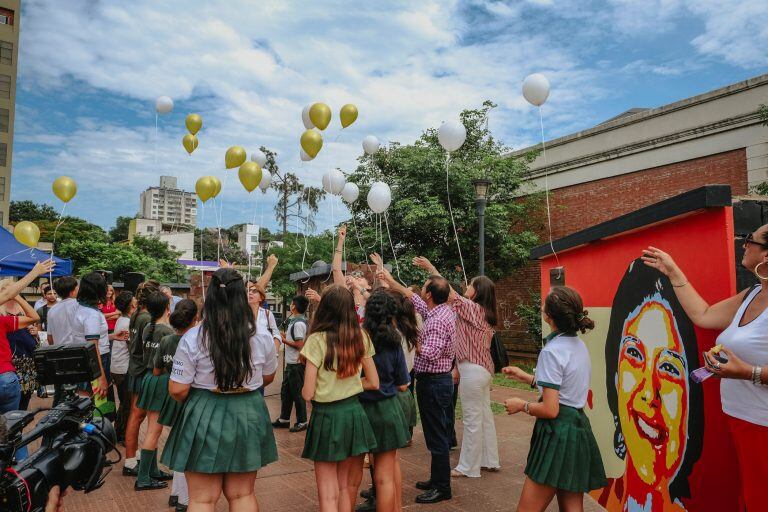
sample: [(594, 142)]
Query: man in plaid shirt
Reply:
[(434, 384)]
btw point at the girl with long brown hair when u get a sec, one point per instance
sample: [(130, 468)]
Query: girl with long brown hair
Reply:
[(339, 432)]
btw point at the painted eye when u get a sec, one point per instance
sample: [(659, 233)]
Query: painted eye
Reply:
[(634, 353), (669, 368)]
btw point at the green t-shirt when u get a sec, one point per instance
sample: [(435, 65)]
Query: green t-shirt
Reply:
[(165, 352), (329, 387), (136, 365), (152, 342)]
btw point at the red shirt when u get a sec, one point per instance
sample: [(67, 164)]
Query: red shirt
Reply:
[(108, 308), (7, 324)]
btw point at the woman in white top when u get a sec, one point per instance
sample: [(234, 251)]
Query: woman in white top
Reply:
[(125, 303), (564, 459), (224, 435), (744, 390)]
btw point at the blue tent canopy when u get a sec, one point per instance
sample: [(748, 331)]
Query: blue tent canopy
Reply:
[(16, 259)]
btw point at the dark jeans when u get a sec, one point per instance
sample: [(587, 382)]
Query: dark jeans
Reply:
[(124, 405), (290, 393), (454, 441), (434, 394)]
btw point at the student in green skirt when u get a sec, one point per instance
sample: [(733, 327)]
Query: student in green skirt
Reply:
[(564, 460), (223, 434), (339, 432), (408, 325), (154, 393), (182, 319)]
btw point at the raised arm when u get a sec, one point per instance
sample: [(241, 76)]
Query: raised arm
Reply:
[(383, 275), (267, 274), (717, 316), (30, 315), (424, 264), (13, 289), (338, 274)]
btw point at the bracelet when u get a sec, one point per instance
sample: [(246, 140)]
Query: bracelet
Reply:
[(525, 408), (757, 376), (679, 285), (533, 382)]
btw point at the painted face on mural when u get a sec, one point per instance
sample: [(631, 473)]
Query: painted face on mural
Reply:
[(652, 392)]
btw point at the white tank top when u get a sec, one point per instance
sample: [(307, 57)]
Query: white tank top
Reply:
[(740, 398)]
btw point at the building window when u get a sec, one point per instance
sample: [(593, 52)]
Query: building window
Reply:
[(3, 154), (5, 86), (2, 220), (150, 229), (6, 53), (6, 16), (4, 120), (2, 189)]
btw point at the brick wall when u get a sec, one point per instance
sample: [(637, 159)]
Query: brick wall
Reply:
[(580, 206)]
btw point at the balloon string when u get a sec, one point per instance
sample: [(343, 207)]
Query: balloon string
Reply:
[(304, 257), (26, 249), (219, 217), (333, 239), (249, 247), (359, 241), (546, 192), (156, 122), (394, 254), (202, 267), (59, 222), (453, 221)]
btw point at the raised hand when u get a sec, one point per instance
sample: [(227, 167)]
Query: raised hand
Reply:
[(43, 267), (424, 263), (660, 260), (272, 260), (342, 231), (377, 260), (312, 295)]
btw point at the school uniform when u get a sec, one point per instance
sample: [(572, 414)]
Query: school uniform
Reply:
[(382, 406), (406, 398), (293, 376), (137, 367), (220, 432), (338, 427), (564, 453), (163, 360), (154, 388)]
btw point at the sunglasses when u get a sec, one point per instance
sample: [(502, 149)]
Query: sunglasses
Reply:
[(749, 239)]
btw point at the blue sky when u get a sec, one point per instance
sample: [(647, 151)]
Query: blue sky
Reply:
[(89, 72)]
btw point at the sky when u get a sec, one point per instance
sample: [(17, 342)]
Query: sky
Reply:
[(90, 71)]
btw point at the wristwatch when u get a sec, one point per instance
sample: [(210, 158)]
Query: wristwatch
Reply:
[(525, 408)]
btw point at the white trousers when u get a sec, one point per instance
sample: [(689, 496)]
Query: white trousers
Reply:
[(479, 447), (179, 488)]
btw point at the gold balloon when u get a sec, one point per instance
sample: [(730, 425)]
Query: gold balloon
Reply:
[(217, 182), (250, 175), (205, 188), (27, 233), (194, 122), (348, 115), (64, 188), (235, 157), (320, 115), (311, 142), (190, 142)]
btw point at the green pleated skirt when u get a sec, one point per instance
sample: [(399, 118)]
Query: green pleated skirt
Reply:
[(390, 427), (221, 433), (338, 430), (135, 382), (154, 392), (564, 453), (408, 403)]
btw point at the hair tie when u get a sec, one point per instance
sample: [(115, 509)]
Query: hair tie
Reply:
[(581, 316)]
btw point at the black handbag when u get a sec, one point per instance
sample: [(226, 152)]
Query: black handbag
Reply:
[(498, 353)]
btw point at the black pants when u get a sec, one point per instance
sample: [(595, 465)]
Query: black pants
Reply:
[(434, 394), (290, 393), (124, 405)]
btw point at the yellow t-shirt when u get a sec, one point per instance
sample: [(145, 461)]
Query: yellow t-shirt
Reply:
[(329, 387)]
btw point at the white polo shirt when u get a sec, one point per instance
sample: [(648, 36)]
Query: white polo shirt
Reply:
[(564, 365), (90, 323), (60, 319)]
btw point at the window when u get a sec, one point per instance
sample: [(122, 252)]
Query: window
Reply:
[(254, 248), (2, 220), (6, 53), (5, 86), (2, 189), (4, 120), (150, 229), (6, 16), (3, 155)]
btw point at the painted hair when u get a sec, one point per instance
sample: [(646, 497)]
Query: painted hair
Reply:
[(336, 317)]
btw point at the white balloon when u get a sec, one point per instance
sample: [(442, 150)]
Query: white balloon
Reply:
[(305, 118), (350, 192), (266, 180), (370, 144), (163, 105), (451, 135), (379, 197), (259, 157), (304, 156), (536, 89), (334, 181)]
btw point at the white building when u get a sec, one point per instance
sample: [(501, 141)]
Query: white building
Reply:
[(169, 204), (181, 241), (248, 240)]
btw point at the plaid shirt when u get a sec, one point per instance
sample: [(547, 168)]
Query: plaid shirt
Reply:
[(436, 339)]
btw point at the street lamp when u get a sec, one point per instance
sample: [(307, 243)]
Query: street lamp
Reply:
[(481, 199)]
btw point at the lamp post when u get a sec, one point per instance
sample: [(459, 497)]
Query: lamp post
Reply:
[(481, 199)]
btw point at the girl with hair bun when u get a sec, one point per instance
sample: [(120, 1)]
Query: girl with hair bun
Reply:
[(564, 459)]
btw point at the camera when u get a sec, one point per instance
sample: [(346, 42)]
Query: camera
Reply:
[(74, 446)]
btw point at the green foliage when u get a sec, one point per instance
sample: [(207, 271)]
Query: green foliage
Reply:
[(419, 219), (28, 210), (228, 249), (119, 233), (530, 313), (763, 113), (291, 257), (762, 188)]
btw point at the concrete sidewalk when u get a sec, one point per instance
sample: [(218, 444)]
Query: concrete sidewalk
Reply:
[(289, 484)]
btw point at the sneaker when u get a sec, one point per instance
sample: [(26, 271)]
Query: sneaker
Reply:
[(280, 423), (299, 427)]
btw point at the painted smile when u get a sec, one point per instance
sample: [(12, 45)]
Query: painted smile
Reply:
[(654, 432)]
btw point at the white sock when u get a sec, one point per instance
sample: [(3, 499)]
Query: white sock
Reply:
[(131, 462)]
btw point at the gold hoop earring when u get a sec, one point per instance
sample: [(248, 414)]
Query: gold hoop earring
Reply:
[(762, 278)]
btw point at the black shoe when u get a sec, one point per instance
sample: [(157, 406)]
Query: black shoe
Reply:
[(426, 485), (367, 493), (162, 476), (153, 485), (173, 500), (299, 427), (181, 508), (368, 506), (278, 423), (131, 471), (433, 496)]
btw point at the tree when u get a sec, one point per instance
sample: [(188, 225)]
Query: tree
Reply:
[(28, 210), (419, 220), (119, 233), (293, 259), (293, 196), (229, 249)]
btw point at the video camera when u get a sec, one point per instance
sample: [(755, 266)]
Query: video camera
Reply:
[(74, 447)]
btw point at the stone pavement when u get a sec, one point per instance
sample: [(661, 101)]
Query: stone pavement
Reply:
[(289, 484)]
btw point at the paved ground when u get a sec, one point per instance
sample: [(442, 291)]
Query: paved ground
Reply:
[(289, 484)]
